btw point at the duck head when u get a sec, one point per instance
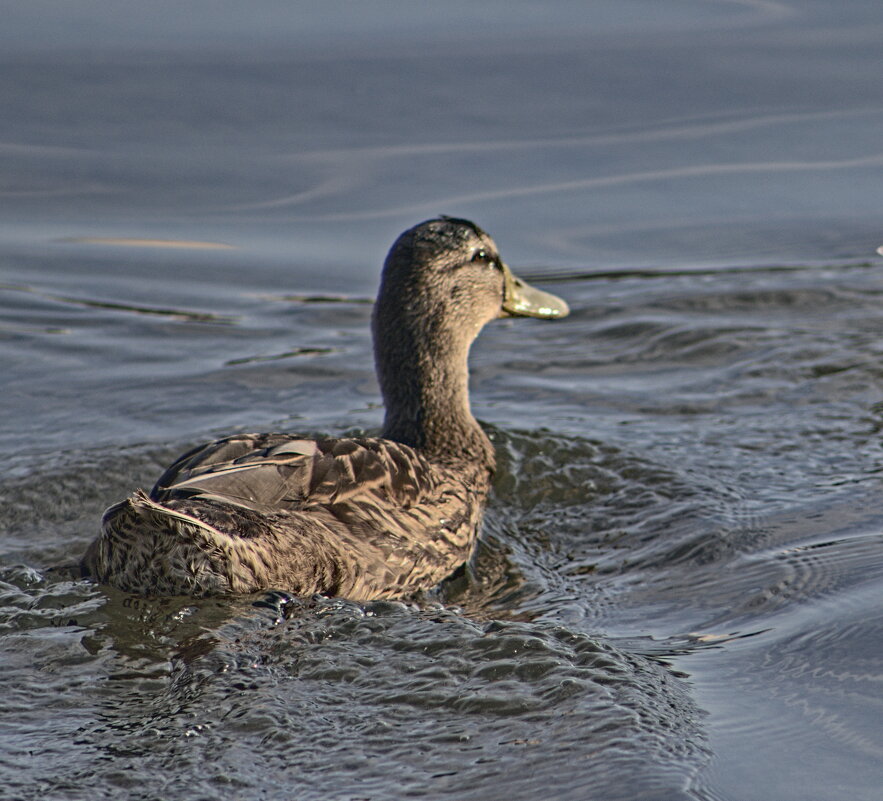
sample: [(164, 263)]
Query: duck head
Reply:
[(448, 273)]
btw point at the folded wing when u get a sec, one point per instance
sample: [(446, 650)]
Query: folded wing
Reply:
[(272, 472)]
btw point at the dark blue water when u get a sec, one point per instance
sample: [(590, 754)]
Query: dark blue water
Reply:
[(678, 589)]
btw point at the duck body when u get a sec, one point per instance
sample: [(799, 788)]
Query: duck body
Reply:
[(363, 518)]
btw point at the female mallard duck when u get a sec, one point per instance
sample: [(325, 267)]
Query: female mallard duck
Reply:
[(359, 517)]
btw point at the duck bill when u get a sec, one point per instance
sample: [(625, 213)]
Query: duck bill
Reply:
[(520, 299)]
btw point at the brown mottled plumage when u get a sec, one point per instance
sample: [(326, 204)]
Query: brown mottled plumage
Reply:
[(360, 517)]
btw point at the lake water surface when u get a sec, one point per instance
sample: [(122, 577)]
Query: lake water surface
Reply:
[(679, 588)]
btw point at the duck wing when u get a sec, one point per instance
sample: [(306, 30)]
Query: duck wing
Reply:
[(279, 472)]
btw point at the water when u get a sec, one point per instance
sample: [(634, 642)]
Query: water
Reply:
[(678, 589)]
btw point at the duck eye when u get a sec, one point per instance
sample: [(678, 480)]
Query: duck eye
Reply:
[(482, 256)]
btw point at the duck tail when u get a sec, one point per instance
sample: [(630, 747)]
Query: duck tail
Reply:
[(147, 548)]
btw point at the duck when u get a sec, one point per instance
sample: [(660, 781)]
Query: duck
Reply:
[(363, 518)]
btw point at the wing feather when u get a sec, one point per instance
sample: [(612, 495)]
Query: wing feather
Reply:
[(278, 472)]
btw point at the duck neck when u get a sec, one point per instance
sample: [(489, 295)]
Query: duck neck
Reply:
[(425, 386)]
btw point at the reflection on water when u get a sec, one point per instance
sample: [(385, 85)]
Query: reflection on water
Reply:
[(178, 314), (677, 592)]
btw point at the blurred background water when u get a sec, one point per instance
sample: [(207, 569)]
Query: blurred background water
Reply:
[(678, 589)]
